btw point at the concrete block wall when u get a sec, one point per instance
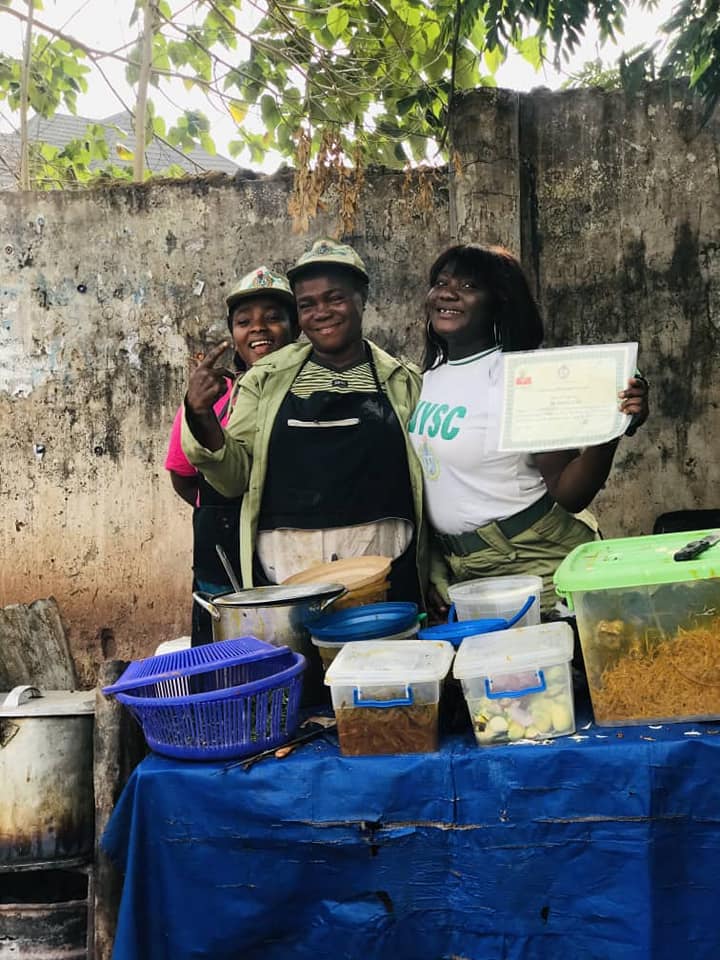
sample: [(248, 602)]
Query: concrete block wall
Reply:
[(611, 202), (104, 298)]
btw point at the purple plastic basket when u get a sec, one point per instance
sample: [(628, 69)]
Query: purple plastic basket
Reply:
[(214, 666), (257, 714)]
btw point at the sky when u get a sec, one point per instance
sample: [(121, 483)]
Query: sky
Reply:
[(104, 24)]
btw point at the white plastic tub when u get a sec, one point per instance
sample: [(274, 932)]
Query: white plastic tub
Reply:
[(329, 649), (492, 597), (386, 695), (517, 684)]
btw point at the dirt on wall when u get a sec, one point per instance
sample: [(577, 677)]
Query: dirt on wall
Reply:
[(104, 298)]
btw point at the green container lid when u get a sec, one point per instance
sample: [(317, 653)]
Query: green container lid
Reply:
[(635, 562)]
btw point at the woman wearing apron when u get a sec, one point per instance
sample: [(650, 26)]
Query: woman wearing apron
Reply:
[(318, 439), (261, 318)]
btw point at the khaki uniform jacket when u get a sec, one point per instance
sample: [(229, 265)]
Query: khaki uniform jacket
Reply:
[(240, 466)]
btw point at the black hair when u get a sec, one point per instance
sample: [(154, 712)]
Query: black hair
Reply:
[(360, 284), (517, 323), (289, 308)]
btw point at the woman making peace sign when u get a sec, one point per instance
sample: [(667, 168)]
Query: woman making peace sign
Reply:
[(261, 319)]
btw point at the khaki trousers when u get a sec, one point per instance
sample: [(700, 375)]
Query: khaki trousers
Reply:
[(539, 550)]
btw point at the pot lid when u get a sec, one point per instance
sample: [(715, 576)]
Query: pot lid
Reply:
[(28, 701), (276, 596), (353, 573)]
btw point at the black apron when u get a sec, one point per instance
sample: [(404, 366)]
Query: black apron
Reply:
[(339, 460)]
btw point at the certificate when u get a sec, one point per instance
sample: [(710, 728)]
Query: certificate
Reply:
[(564, 398)]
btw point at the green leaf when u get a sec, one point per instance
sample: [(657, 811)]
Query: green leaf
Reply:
[(208, 144), (123, 152), (494, 59), (238, 111), (337, 21), (531, 49), (270, 113)]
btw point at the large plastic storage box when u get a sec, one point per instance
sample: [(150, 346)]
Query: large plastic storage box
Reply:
[(649, 627)]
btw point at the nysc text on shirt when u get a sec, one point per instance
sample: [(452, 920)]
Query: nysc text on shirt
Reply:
[(468, 481)]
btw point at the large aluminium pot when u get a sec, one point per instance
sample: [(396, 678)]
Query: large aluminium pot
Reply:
[(276, 615), (46, 776), (279, 616)]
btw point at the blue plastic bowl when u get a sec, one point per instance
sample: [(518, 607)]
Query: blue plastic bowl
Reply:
[(371, 622)]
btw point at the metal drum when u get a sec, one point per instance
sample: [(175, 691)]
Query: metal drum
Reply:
[(46, 770)]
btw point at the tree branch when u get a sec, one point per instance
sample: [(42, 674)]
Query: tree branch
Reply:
[(24, 100), (149, 9), (453, 69)]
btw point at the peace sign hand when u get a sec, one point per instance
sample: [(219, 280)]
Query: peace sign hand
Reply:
[(207, 382)]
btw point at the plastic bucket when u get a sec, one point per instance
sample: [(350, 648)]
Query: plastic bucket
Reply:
[(497, 597)]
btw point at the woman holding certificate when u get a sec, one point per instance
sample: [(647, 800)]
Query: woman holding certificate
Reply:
[(495, 512)]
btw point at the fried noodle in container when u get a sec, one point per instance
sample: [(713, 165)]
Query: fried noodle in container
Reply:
[(648, 614), (386, 695)]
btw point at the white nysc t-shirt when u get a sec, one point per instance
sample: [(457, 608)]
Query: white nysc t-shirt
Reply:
[(468, 481)]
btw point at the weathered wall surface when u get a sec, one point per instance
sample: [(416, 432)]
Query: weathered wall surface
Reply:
[(104, 297), (628, 246), (612, 203), (616, 201)]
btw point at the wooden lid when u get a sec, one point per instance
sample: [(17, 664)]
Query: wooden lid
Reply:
[(353, 573)]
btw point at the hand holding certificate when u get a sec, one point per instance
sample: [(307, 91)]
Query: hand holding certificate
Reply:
[(564, 398)]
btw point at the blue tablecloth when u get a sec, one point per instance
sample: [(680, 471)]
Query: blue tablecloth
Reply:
[(605, 845)]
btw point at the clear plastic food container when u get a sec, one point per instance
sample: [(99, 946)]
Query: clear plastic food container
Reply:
[(493, 597), (517, 683), (649, 626), (329, 649), (386, 695)]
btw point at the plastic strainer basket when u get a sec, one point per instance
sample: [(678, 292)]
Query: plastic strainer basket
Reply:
[(213, 666), (241, 697)]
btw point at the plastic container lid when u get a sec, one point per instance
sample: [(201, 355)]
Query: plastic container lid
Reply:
[(172, 646), (495, 588), (353, 573), (186, 663), (385, 662), (371, 622), (543, 645), (28, 701), (635, 562)]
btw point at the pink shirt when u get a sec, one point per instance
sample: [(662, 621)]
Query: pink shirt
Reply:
[(175, 459)]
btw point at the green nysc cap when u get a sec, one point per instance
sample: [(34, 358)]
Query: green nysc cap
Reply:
[(258, 282), (330, 253)]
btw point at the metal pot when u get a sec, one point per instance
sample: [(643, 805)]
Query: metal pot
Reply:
[(274, 614), (46, 771), (277, 615)]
